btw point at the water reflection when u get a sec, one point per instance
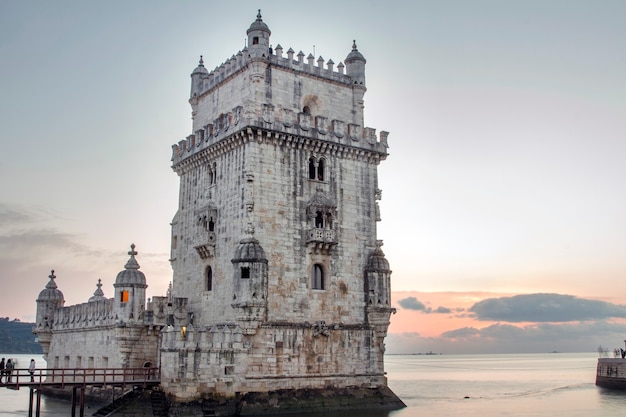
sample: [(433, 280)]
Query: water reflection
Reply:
[(612, 399)]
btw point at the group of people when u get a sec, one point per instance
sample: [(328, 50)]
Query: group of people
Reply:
[(6, 370)]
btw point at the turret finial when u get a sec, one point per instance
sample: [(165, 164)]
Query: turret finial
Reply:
[(354, 45), (99, 292), (132, 262), (258, 16), (51, 284), (201, 63)]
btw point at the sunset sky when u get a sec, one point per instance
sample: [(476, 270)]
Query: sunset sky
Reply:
[(503, 196)]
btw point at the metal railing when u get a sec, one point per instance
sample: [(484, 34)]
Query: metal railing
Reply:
[(62, 377)]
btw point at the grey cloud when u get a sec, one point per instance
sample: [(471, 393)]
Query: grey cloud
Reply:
[(11, 216), (29, 249), (462, 332), (542, 308), (412, 303), (36, 239), (503, 338), (20, 217)]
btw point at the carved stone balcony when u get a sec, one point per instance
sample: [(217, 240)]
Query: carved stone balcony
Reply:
[(206, 249), (321, 240)]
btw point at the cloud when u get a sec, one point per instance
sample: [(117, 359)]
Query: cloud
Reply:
[(29, 249), (542, 308), (412, 303), (503, 338)]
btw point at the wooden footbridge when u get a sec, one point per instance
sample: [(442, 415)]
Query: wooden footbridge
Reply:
[(78, 379)]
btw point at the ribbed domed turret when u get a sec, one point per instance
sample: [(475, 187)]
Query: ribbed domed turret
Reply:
[(354, 55), (377, 261), (198, 74), (258, 24), (249, 249), (355, 69), (258, 39), (131, 275), (51, 293), (200, 69)]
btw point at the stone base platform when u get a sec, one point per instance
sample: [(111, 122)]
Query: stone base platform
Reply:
[(291, 402)]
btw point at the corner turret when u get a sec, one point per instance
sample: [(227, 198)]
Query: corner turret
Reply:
[(197, 77), (250, 282), (130, 291), (50, 299), (355, 66), (355, 69), (258, 38)]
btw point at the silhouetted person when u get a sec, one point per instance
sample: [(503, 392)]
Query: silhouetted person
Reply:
[(9, 370), (2, 371), (31, 370)]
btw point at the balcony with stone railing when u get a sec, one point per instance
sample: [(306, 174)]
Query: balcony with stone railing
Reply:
[(206, 246), (321, 239)]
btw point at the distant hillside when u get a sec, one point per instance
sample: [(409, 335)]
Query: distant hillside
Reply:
[(17, 337)]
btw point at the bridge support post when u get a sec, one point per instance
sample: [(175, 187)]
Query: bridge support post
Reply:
[(37, 402), (73, 401), (38, 409), (30, 403), (82, 401)]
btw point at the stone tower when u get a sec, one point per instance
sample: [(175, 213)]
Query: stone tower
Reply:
[(279, 280), (50, 299), (130, 290)]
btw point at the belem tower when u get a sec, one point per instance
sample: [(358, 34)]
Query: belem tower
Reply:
[(280, 289)]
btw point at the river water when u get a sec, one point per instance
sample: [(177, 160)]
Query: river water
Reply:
[(511, 385)]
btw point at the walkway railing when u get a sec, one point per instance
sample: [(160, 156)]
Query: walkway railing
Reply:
[(58, 377)]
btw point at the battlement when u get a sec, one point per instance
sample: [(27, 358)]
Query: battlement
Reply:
[(285, 121), (290, 62), (101, 313), (86, 315)]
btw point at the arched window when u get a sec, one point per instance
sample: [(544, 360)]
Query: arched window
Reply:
[(311, 168), (306, 110), (320, 170), (255, 40), (211, 225), (318, 277), (319, 220), (212, 173), (209, 278), (329, 221)]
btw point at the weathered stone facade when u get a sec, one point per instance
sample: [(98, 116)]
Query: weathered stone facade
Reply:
[(119, 332), (279, 281), (274, 244)]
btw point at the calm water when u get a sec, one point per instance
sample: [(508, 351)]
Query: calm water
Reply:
[(555, 384)]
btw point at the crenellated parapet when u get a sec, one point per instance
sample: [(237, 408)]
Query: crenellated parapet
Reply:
[(207, 81), (329, 133), (86, 315), (101, 313)]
